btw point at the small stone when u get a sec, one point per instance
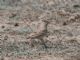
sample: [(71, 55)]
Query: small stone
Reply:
[(64, 23), (76, 6), (3, 26), (16, 24)]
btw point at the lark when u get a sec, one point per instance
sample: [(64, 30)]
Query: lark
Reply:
[(40, 30)]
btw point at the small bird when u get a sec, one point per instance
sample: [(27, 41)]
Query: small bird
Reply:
[(40, 31)]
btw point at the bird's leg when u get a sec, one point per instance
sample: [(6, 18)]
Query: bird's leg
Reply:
[(43, 43)]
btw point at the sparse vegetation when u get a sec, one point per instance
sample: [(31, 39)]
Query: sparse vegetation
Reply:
[(39, 29)]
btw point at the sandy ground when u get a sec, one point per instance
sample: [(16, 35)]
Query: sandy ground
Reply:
[(39, 29)]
